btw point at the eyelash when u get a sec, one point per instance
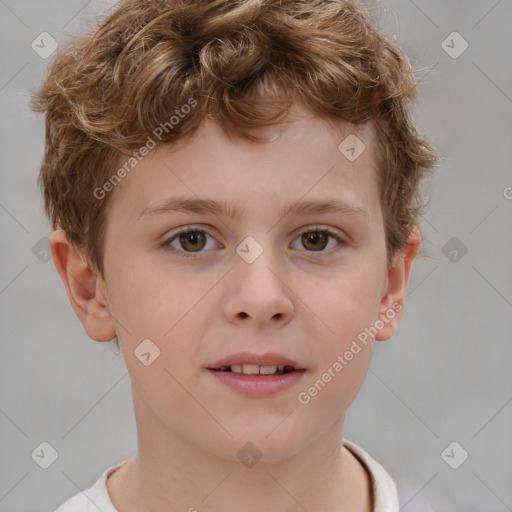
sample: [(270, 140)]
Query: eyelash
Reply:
[(190, 229)]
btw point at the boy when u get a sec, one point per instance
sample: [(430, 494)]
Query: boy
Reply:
[(234, 187)]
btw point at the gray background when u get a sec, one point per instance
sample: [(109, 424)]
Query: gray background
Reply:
[(444, 377)]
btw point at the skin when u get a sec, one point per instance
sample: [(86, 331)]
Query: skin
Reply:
[(306, 304)]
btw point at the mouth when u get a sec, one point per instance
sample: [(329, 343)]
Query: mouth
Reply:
[(254, 369), (248, 363), (257, 374)]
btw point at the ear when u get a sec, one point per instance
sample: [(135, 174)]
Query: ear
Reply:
[(393, 302), (85, 287)]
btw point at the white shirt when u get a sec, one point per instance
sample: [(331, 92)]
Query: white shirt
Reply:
[(96, 498)]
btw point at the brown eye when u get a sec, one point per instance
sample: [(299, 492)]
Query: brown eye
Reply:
[(190, 242), (315, 240), (193, 240), (321, 240)]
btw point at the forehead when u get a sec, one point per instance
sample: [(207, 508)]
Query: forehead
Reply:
[(306, 158)]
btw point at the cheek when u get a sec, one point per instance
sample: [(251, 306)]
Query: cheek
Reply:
[(343, 358), (347, 305), (154, 300), (166, 306)]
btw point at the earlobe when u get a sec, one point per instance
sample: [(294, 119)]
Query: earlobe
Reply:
[(393, 302), (85, 288)]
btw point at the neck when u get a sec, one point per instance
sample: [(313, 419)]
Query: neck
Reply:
[(171, 474)]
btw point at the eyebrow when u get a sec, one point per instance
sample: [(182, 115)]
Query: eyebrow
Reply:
[(231, 209)]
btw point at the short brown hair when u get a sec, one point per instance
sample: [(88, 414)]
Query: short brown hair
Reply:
[(243, 62)]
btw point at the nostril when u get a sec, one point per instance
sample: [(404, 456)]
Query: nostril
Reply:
[(243, 315)]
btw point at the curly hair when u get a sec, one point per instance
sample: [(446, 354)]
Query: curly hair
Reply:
[(243, 62)]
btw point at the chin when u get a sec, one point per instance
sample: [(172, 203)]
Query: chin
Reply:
[(264, 444)]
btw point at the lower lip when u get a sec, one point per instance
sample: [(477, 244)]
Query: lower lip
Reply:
[(258, 385)]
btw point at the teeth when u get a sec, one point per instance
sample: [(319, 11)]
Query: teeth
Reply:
[(253, 369)]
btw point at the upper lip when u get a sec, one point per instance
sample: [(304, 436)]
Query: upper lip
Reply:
[(267, 359)]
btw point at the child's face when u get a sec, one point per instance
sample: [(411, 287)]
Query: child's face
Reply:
[(304, 298)]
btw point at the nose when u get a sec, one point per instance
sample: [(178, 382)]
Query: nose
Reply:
[(259, 295)]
